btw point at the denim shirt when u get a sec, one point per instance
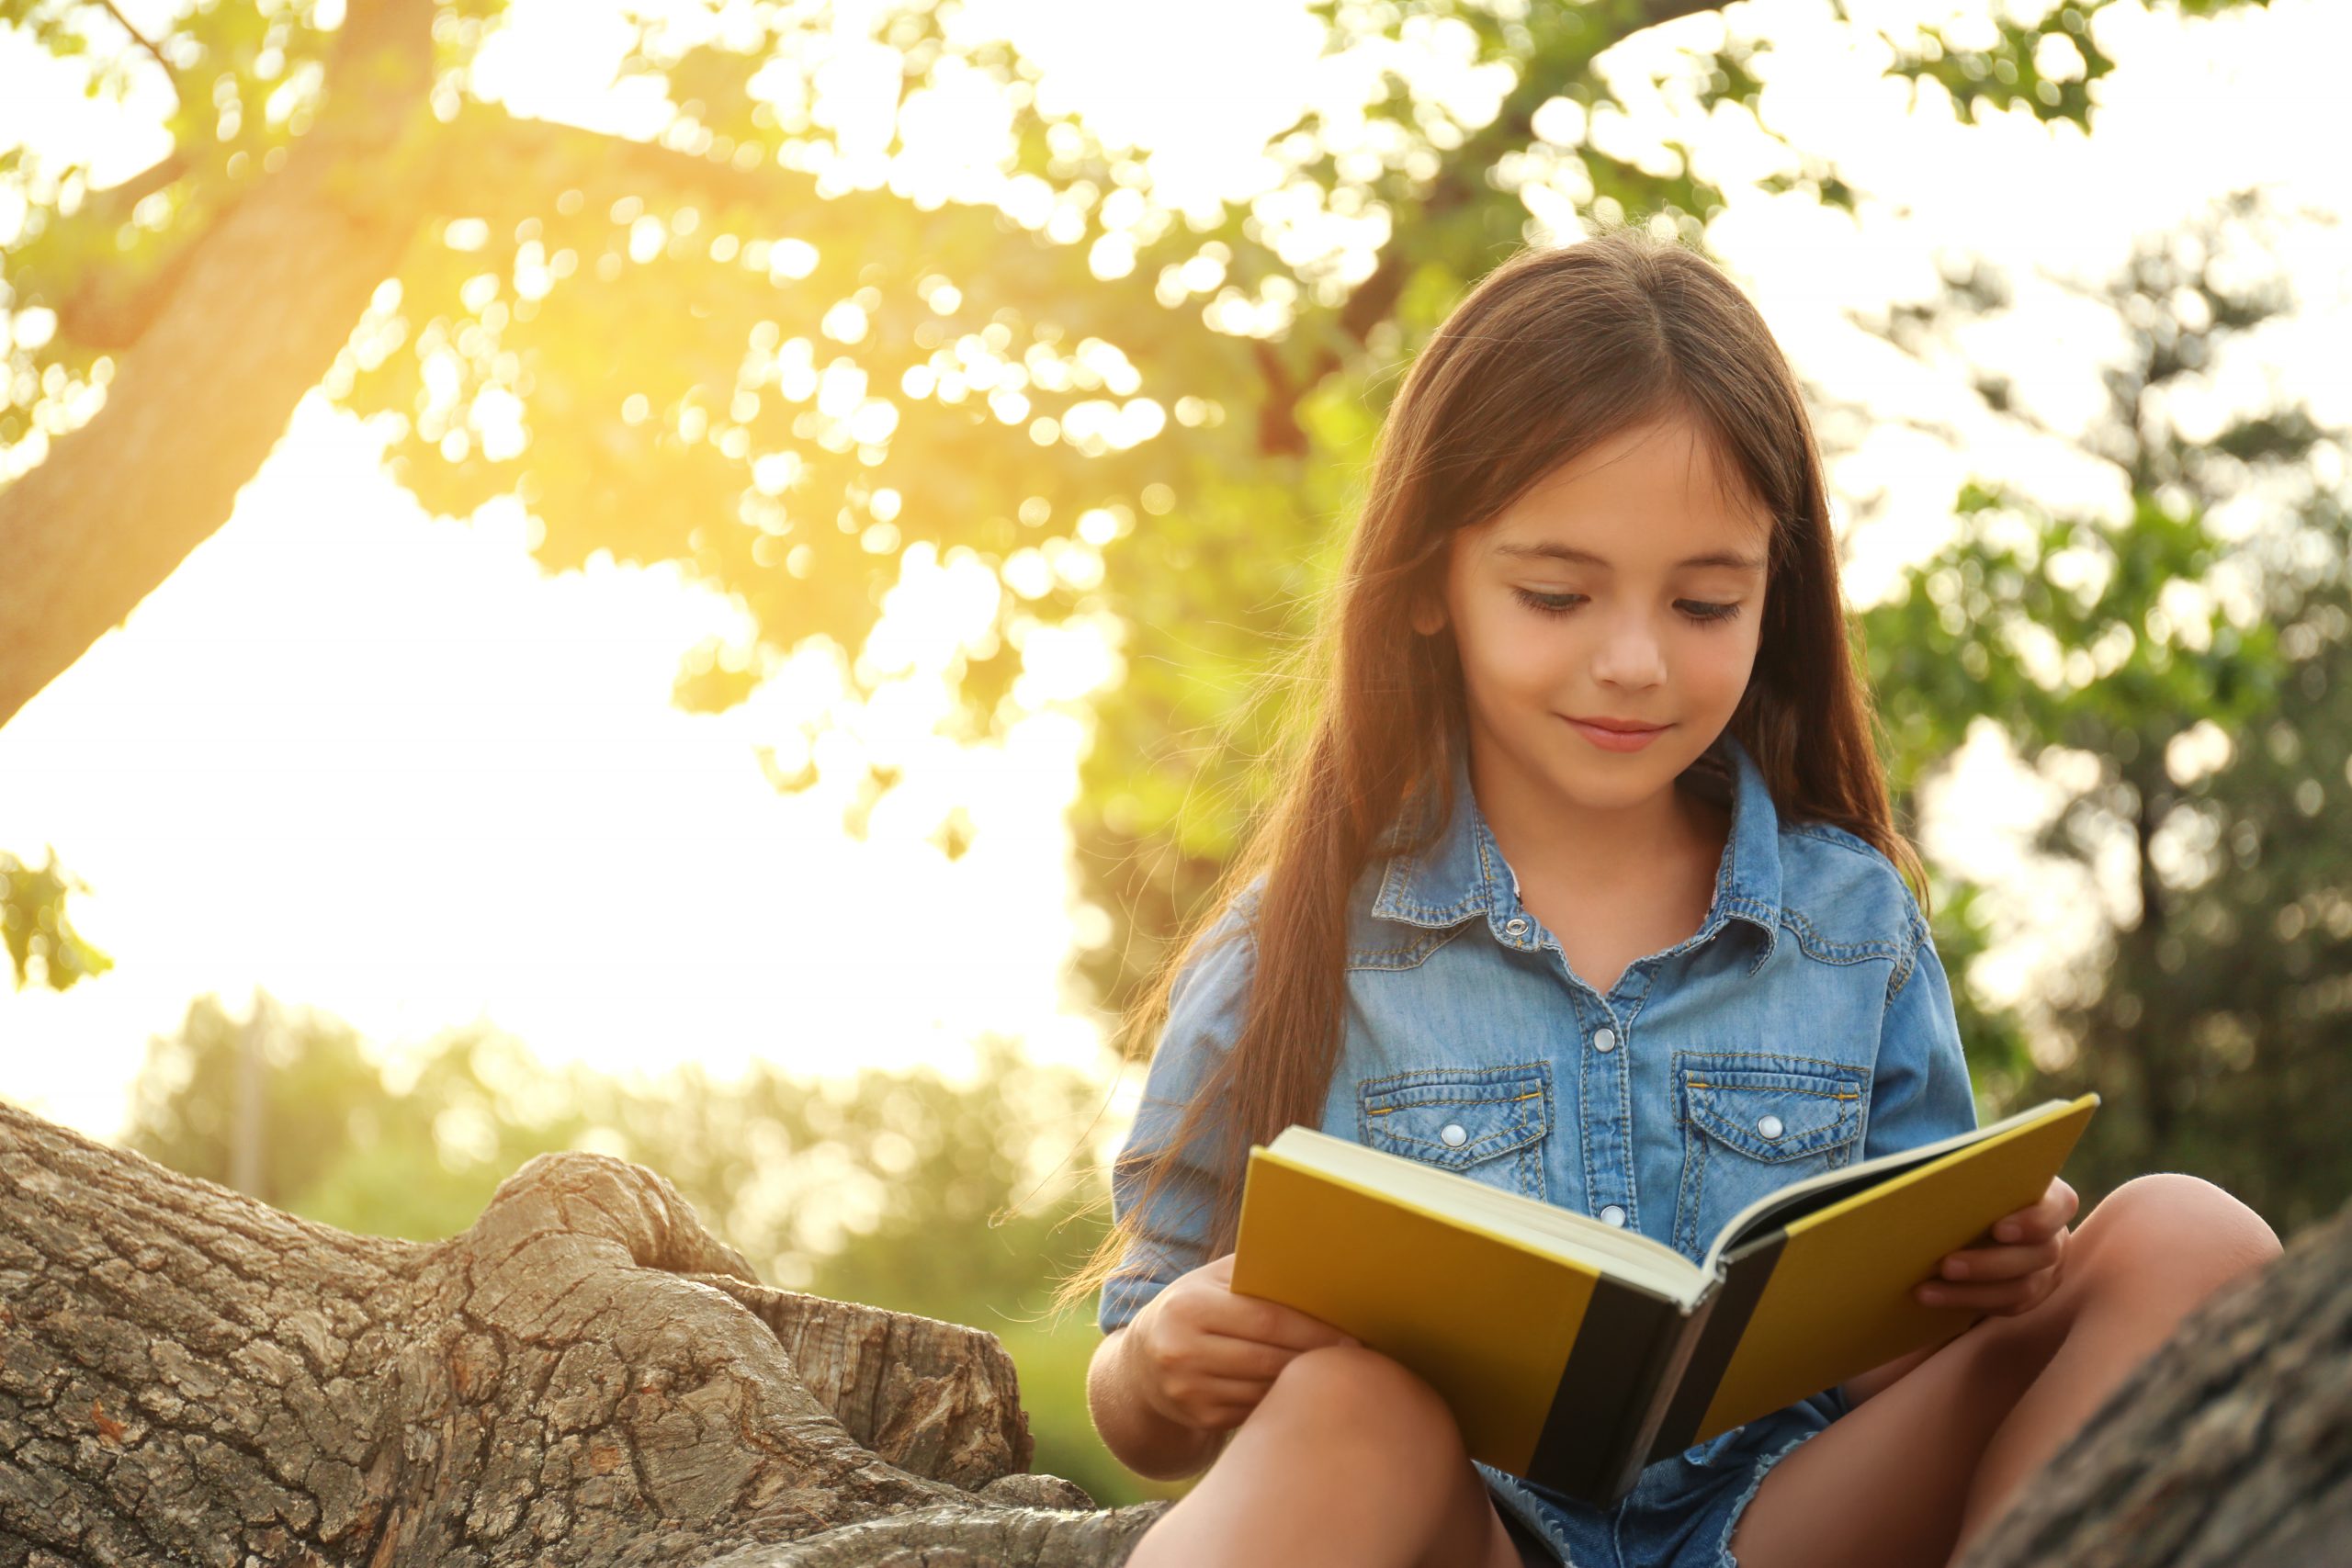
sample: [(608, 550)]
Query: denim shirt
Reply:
[(1807, 1023)]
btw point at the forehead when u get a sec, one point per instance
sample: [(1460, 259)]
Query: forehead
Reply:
[(1658, 490)]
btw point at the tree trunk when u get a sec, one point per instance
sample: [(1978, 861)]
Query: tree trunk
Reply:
[(2230, 1446), (587, 1376), (244, 322)]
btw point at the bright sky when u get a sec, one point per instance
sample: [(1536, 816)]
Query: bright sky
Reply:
[(377, 763)]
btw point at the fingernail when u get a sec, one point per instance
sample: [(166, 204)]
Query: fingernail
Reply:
[(1955, 1270), (2006, 1232), (1930, 1296)]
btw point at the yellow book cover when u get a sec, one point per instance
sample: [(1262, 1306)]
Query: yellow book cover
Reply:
[(1573, 1353)]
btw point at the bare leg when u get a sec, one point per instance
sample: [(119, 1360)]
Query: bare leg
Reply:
[(2176, 1239), (1349, 1460), (1896, 1482)]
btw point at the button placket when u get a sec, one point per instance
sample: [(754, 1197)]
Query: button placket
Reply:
[(1607, 1091)]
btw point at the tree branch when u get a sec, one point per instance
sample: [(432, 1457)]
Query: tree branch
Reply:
[(178, 91), (142, 483)]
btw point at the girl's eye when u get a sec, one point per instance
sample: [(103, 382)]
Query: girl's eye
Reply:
[(1700, 610), (1546, 603)]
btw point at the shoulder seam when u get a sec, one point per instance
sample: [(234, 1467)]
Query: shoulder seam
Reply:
[(1845, 838), (1909, 961)]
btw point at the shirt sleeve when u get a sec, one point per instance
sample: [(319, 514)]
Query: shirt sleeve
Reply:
[(1920, 1091), (1205, 1008)]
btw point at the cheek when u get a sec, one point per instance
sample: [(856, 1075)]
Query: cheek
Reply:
[(1720, 664), (1515, 663)]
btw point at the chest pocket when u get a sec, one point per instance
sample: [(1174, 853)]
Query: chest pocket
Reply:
[(1752, 1123), (1488, 1123)]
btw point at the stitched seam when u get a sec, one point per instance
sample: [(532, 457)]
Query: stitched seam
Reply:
[(1755, 1146), (1530, 1069), (1523, 1127), (1830, 833), (1480, 1100), (1845, 1069), (1775, 1089), (1909, 962), (1691, 1120), (1414, 955), (1828, 951)]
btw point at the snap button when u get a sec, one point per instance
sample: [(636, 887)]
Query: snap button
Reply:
[(1453, 1135), (1515, 926), (1770, 1126), (1614, 1216), (1604, 1040)]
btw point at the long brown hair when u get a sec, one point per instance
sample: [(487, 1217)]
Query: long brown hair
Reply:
[(1551, 353)]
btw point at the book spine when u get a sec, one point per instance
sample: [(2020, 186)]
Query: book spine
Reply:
[(1659, 1381), (1604, 1392), (1732, 1302)]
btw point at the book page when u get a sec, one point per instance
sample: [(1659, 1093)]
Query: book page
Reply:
[(1835, 1295), (1783, 1205)]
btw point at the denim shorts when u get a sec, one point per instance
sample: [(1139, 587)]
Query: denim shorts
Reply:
[(1680, 1514)]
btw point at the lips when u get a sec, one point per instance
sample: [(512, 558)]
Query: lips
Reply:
[(1616, 734)]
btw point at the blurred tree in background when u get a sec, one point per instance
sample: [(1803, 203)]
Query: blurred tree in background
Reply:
[(2176, 668), (897, 1189), (758, 349)]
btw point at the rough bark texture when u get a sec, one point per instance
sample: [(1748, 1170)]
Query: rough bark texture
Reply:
[(2231, 1445), (587, 1376), (187, 1375)]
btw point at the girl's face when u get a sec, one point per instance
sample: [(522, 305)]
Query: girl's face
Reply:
[(1620, 591)]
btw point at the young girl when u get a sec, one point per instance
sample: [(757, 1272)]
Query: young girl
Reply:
[(1585, 886)]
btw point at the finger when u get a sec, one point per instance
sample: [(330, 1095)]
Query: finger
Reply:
[(1269, 1322), (2001, 1262), (2002, 1297), (2056, 1206), (1223, 1356), (1202, 1390)]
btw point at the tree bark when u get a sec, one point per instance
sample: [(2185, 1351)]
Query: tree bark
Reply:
[(585, 1376), (2231, 1445), (588, 1376)]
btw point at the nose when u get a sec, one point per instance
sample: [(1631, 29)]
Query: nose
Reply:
[(1632, 657)]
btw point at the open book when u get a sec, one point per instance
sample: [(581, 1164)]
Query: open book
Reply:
[(1573, 1353)]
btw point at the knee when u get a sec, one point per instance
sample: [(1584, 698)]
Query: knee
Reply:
[(2168, 1229), (1363, 1397)]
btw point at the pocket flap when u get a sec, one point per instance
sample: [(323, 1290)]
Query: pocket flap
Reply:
[(1772, 1108), (1456, 1117)]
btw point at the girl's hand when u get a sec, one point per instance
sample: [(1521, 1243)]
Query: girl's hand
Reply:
[(2016, 1276), (1206, 1357)]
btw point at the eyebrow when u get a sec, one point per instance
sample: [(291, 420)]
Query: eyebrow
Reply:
[(1574, 557)]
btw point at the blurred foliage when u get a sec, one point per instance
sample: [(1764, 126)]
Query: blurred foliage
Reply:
[(2177, 666), (767, 354), (898, 1189), (42, 944)]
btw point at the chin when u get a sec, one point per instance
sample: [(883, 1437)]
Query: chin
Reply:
[(1631, 781)]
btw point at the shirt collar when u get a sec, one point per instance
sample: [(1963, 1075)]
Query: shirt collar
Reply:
[(1462, 872)]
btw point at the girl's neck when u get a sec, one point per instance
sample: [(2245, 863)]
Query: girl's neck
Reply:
[(1553, 841)]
